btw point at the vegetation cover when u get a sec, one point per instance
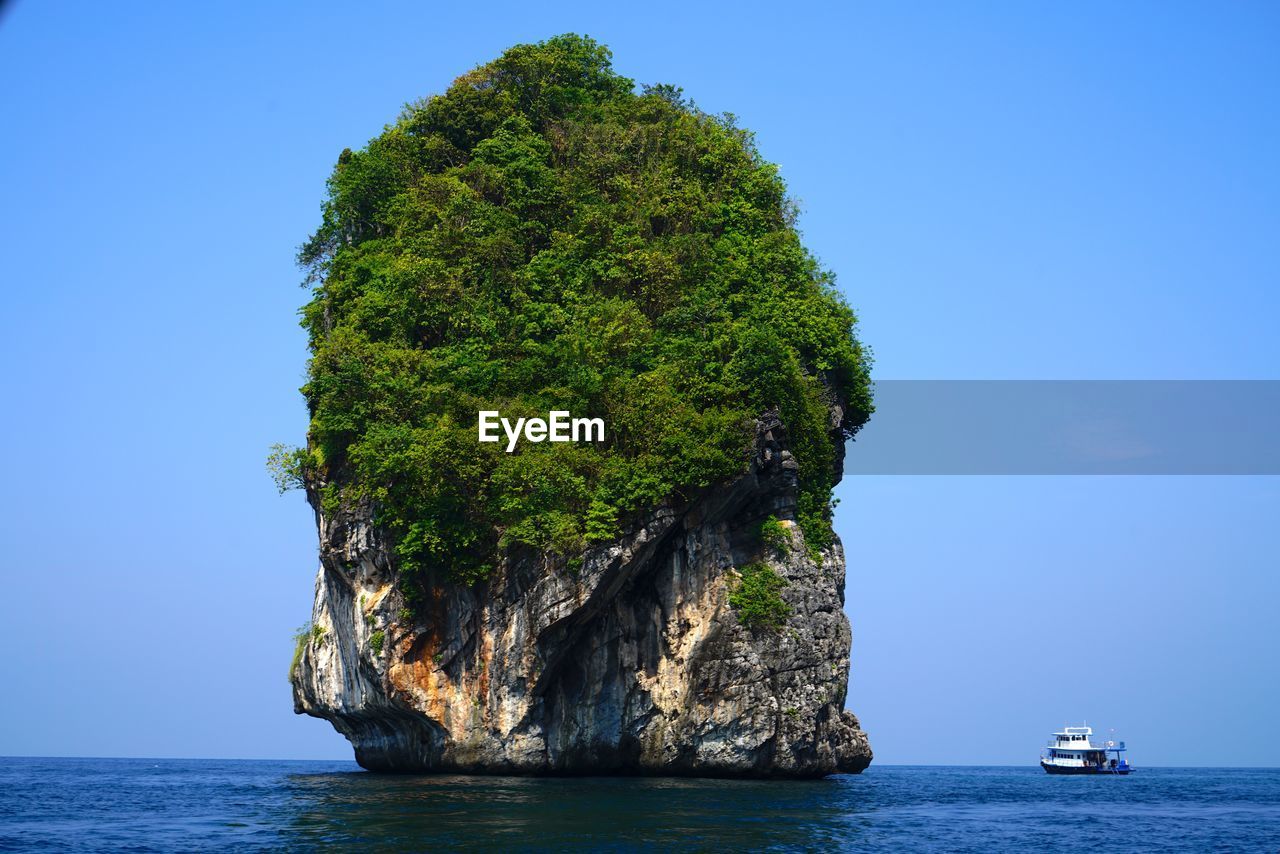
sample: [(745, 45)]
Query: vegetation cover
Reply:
[(756, 597), (543, 236)]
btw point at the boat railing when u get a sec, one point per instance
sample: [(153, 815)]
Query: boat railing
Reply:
[(1088, 745)]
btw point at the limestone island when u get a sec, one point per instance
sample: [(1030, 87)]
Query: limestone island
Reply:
[(665, 599)]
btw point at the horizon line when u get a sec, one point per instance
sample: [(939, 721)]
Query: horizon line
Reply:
[(535, 776)]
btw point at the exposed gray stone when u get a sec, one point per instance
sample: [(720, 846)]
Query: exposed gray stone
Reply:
[(636, 663)]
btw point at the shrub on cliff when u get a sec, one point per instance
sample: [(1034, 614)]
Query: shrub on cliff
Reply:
[(755, 597), (775, 535), (541, 236)]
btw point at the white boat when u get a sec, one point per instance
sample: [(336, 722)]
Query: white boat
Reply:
[(1073, 751)]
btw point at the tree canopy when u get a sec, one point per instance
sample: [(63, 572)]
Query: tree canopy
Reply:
[(543, 236)]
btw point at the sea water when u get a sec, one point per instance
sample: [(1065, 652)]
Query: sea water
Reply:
[(184, 804)]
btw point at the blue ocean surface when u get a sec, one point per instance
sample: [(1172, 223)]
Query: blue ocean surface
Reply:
[(185, 804)]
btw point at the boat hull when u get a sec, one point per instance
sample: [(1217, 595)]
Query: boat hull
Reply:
[(1081, 769)]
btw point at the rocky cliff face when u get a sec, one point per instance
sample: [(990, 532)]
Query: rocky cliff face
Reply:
[(634, 663)]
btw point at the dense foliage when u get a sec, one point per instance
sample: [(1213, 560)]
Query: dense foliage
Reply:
[(775, 536), (755, 597), (543, 237)]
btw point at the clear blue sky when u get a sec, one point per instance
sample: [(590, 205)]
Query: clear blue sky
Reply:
[(1017, 190)]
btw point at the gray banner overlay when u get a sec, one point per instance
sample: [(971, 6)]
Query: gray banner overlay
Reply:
[(1070, 427)]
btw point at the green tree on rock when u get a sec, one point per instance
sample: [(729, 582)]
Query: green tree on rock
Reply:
[(543, 236)]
